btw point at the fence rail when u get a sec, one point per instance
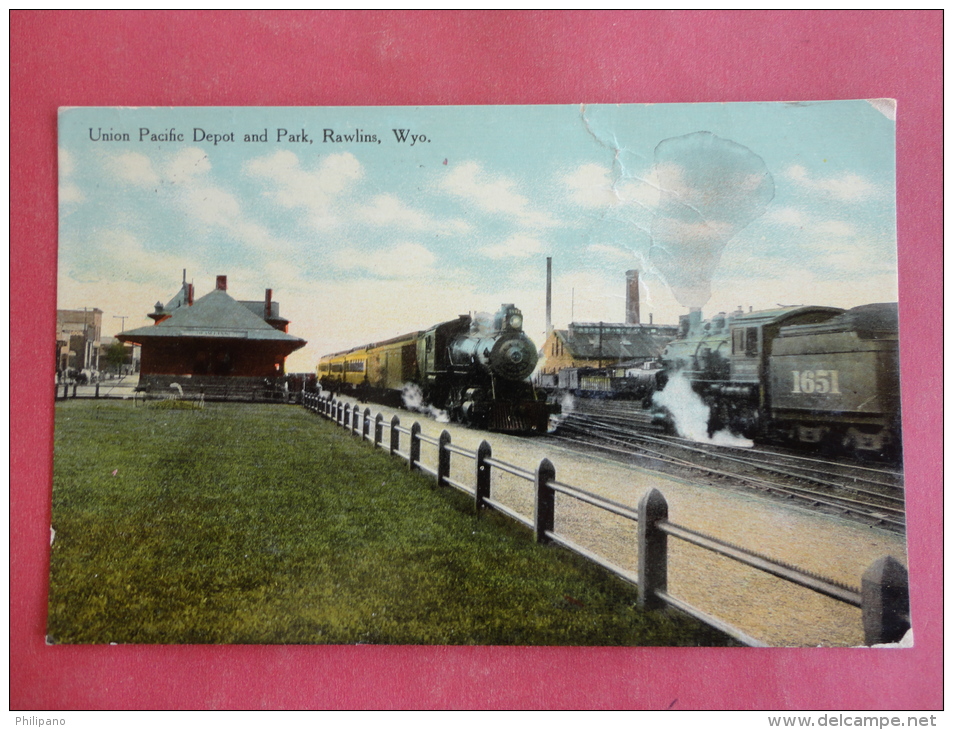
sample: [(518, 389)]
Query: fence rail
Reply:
[(109, 390), (883, 597)]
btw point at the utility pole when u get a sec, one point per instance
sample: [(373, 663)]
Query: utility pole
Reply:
[(123, 317), (600, 345)]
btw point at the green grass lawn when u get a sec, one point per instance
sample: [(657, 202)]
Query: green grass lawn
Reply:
[(265, 524)]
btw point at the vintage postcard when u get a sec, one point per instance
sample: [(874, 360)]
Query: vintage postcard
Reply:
[(526, 375)]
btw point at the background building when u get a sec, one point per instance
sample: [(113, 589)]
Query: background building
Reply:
[(78, 339), (622, 345)]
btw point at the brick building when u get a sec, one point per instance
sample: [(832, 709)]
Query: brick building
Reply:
[(213, 342)]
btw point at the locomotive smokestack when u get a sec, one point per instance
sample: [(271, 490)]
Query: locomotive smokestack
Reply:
[(549, 295), (221, 282), (695, 316), (632, 297)]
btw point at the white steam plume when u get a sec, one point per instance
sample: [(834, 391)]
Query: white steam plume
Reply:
[(413, 398), (691, 415)]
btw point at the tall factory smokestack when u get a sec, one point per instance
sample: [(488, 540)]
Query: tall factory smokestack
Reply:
[(632, 297), (549, 295)]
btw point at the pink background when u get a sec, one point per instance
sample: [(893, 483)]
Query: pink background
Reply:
[(484, 57)]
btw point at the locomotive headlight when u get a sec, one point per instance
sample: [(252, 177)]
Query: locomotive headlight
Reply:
[(516, 321)]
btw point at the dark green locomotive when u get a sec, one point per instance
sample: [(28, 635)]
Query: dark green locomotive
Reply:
[(814, 375)]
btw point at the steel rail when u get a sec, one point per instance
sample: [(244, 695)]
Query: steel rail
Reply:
[(842, 503), (752, 457)]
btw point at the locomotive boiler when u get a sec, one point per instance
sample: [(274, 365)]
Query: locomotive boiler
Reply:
[(475, 369), (813, 375)]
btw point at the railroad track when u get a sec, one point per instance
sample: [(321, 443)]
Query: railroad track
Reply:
[(871, 494)]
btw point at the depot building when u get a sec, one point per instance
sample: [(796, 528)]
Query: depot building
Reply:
[(213, 340)]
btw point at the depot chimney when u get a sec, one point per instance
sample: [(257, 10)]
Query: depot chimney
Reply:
[(221, 282), (267, 303), (632, 297)]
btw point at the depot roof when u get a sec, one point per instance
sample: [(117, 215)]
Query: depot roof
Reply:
[(216, 315)]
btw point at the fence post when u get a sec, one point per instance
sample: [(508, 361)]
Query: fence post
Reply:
[(544, 518), (97, 390), (346, 421), (378, 429), (355, 419), (366, 430), (482, 475), (75, 385), (885, 601), (394, 435), (653, 550), (443, 458), (414, 445)]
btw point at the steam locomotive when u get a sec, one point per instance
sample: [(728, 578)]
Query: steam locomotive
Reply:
[(475, 369), (813, 375)]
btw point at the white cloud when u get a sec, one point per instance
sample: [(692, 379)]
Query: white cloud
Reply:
[(313, 190), (69, 192), (493, 194), (388, 210), (134, 168), (816, 232), (590, 186), (115, 254), (835, 228), (518, 246), (613, 254), (212, 205), (846, 188), (402, 261), (187, 164), (785, 216)]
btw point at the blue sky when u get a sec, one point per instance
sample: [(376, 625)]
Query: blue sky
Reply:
[(366, 240)]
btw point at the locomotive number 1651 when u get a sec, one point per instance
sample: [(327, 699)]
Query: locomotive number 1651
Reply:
[(816, 381)]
